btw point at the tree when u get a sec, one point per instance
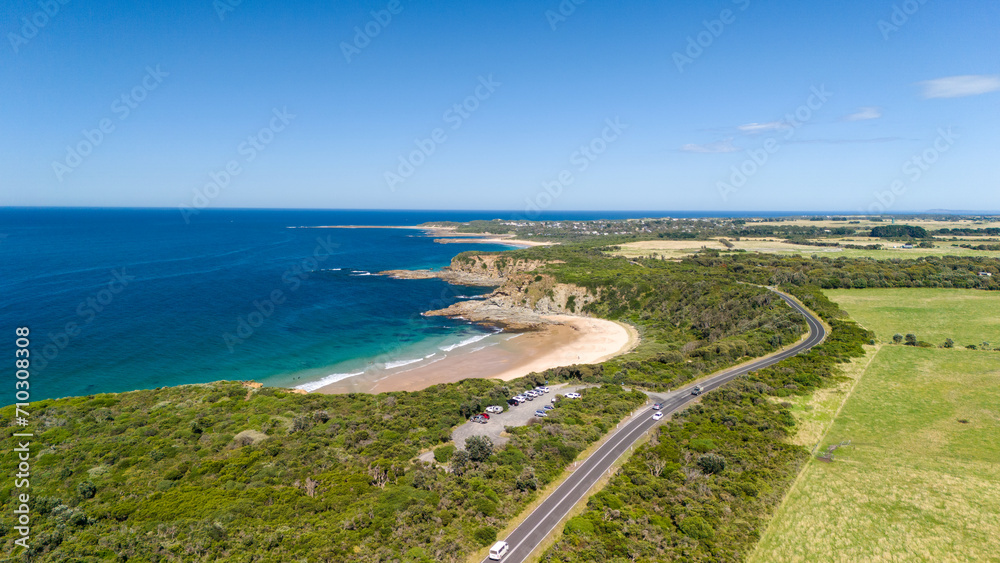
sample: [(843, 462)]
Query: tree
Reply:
[(459, 461), (949, 343), (712, 463), (911, 339), (480, 448), (897, 338)]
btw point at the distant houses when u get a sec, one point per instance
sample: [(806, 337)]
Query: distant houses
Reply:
[(986, 274)]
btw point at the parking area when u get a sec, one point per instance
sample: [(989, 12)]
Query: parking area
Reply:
[(512, 416)]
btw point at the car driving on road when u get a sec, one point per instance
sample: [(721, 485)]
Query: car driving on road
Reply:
[(697, 390), (658, 416)]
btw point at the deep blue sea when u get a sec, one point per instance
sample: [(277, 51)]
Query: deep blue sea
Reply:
[(122, 299)]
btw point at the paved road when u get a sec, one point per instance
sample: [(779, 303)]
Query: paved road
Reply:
[(544, 519)]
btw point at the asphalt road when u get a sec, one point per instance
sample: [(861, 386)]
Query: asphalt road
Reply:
[(546, 517)]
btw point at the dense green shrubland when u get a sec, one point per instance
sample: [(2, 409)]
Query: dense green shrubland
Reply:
[(171, 475)]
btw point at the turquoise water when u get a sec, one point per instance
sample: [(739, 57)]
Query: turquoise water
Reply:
[(132, 299)]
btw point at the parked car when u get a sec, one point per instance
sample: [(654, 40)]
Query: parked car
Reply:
[(513, 402), (540, 413), (494, 409), (697, 390), (484, 415), (529, 397), (657, 406), (658, 416), (479, 418), (572, 395), (520, 398), (548, 407), (542, 389)]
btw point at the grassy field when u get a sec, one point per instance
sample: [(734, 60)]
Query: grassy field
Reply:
[(920, 480), (967, 316), (679, 248)]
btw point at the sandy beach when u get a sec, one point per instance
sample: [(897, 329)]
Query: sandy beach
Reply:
[(571, 340)]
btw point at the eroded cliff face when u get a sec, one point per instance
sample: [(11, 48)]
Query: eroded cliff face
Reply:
[(523, 294)]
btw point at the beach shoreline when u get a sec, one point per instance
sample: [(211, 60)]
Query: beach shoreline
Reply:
[(446, 235), (533, 337), (565, 340)]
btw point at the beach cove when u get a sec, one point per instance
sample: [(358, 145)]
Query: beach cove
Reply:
[(528, 339)]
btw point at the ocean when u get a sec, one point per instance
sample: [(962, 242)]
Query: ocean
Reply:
[(123, 299)]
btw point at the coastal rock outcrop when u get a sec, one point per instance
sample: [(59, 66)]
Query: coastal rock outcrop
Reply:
[(519, 302)]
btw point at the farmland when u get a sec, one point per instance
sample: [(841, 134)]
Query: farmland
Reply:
[(917, 473)]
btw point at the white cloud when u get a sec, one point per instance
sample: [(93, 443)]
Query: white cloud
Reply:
[(762, 127), (959, 86), (725, 145), (863, 113)]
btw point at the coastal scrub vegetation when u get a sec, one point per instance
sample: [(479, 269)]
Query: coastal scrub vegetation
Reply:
[(219, 472)]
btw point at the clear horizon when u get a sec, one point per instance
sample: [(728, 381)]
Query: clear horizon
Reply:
[(734, 106)]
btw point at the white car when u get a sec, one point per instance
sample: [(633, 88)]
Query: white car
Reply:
[(658, 416), (495, 409), (572, 395), (542, 389), (498, 550)]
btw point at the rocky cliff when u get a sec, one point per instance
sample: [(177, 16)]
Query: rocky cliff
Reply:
[(522, 296)]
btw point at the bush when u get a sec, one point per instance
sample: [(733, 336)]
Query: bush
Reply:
[(444, 453), (580, 526), (702, 445), (712, 463), (86, 489), (949, 343), (485, 535), (696, 527)]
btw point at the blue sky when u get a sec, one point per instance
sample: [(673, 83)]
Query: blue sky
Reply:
[(726, 105)]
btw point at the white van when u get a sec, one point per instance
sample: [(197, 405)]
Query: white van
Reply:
[(498, 550)]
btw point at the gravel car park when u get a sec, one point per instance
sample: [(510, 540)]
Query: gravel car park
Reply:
[(514, 416)]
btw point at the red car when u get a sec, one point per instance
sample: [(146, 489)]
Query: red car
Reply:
[(486, 416)]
